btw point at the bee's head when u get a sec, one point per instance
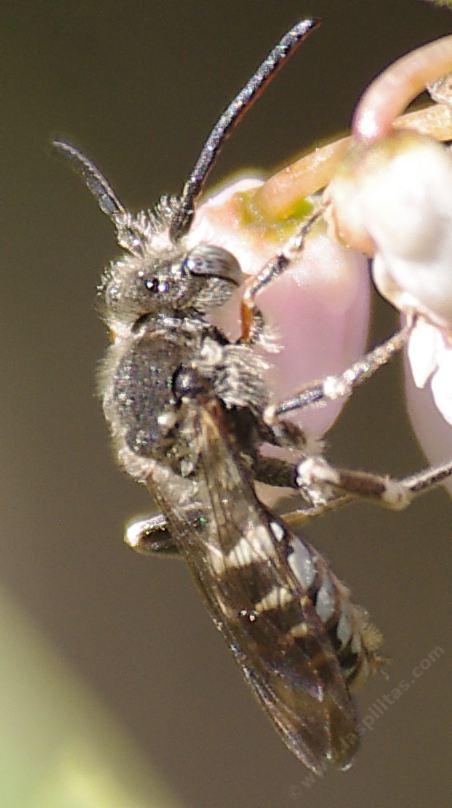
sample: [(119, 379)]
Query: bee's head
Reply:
[(157, 273), (167, 280)]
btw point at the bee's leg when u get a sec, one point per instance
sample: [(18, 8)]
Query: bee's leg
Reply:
[(285, 435), (326, 487), (274, 471), (151, 536), (342, 385), (273, 269), (320, 483), (299, 516)]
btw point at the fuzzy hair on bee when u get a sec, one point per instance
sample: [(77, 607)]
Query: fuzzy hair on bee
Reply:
[(189, 411)]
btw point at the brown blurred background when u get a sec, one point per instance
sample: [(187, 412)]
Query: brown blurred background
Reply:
[(137, 86)]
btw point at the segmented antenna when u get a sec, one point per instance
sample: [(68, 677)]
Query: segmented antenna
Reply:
[(95, 181), (128, 235), (231, 117)]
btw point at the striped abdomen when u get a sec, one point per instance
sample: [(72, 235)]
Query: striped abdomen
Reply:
[(354, 638)]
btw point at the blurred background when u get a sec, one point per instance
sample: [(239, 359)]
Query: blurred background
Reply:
[(115, 689)]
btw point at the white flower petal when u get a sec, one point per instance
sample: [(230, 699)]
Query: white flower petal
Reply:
[(442, 385), (409, 216), (424, 345)]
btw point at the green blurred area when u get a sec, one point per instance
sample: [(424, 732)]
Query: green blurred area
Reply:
[(59, 748)]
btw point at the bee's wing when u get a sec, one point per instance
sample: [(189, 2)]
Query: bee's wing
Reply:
[(239, 557)]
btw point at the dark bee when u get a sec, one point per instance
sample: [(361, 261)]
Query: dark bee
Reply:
[(189, 411)]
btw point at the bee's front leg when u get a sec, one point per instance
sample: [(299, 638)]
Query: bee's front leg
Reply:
[(343, 384), (151, 536)]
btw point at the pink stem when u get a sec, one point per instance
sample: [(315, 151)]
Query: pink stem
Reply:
[(393, 90)]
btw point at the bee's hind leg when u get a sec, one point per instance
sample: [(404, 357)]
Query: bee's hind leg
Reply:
[(327, 488), (319, 482), (151, 536)]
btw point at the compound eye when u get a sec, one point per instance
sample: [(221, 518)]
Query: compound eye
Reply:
[(206, 259), (152, 284)]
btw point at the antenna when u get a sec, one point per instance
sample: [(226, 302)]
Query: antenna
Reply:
[(128, 235), (231, 117)]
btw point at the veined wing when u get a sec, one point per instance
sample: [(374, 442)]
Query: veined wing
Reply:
[(238, 554)]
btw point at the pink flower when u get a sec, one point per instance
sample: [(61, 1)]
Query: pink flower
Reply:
[(393, 199), (318, 311)]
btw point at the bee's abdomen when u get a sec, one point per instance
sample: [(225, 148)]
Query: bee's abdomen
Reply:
[(354, 639)]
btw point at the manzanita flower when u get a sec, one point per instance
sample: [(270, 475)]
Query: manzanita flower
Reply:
[(392, 198), (388, 197), (317, 311), (430, 357)]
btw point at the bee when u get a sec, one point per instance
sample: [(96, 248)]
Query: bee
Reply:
[(189, 411)]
